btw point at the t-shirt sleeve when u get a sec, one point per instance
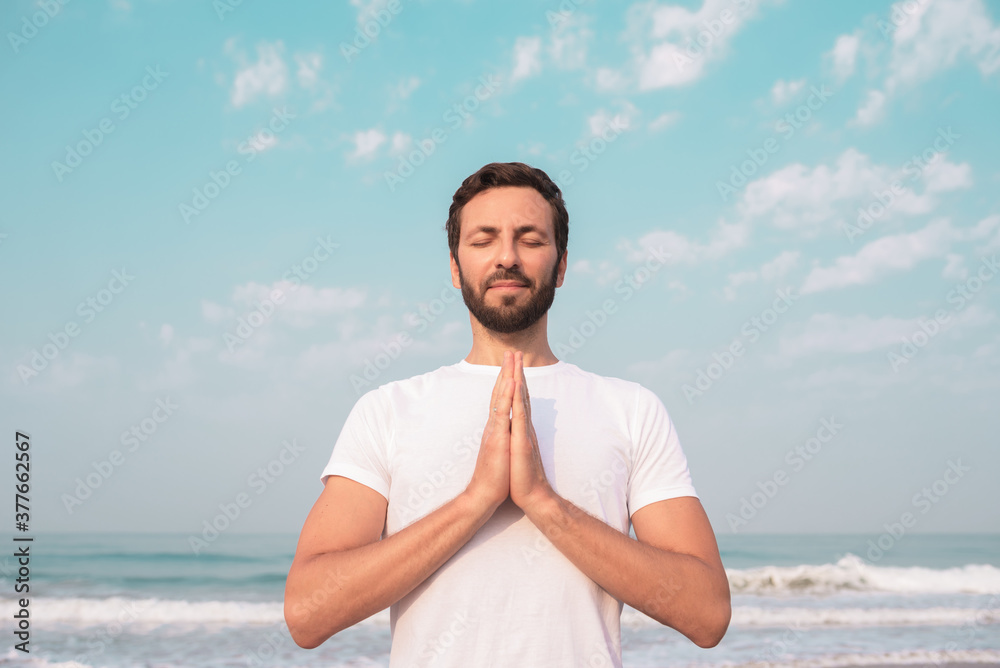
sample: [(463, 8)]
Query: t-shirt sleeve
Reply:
[(360, 452), (659, 466)]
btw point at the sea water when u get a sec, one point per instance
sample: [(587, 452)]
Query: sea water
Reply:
[(149, 600)]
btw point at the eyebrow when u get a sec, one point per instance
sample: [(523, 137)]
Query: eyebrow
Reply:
[(519, 230)]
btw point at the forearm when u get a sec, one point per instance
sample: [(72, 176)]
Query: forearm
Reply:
[(330, 591), (679, 590)]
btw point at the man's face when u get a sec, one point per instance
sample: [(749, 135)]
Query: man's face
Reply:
[(506, 266)]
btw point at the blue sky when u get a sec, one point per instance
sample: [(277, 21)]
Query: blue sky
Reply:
[(218, 216)]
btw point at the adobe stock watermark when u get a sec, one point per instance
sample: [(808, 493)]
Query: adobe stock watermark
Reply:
[(752, 330), (454, 117), (223, 7), (924, 500), (901, 14), (960, 295), (121, 107), (883, 200), (586, 154), (88, 309), (132, 438), (563, 12), (30, 25), (796, 458), (258, 481), (436, 647), (209, 191), (712, 30), (415, 501), (778, 650), (263, 309), (419, 321), (627, 287), (269, 645), (367, 32), (739, 175), (98, 642)]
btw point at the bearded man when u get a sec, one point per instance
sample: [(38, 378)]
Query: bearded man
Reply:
[(515, 551)]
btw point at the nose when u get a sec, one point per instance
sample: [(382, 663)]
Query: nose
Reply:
[(508, 256)]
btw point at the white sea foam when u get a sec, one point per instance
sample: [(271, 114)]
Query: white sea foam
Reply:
[(747, 616), (854, 573), (17, 658), (127, 612), (145, 613), (901, 658)]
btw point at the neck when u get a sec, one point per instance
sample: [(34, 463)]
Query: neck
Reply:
[(488, 346)]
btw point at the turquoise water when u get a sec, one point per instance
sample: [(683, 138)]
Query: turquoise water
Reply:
[(136, 600)]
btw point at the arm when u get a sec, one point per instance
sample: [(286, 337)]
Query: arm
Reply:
[(673, 572), (342, 573)]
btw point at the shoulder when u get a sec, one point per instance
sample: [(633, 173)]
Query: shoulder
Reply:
[(610, 384), (408, 387)]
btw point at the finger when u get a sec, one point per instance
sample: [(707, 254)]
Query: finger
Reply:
[(497, 388), (518, 407), (507, 400)]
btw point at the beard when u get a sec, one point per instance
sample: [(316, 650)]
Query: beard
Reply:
[(508, 317)]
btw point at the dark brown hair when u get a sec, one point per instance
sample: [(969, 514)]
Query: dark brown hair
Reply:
[(508, 174)]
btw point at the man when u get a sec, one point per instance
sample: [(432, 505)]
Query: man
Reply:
[(494, 521)]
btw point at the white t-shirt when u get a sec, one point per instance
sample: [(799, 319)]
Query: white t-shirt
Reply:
[(508, 597)]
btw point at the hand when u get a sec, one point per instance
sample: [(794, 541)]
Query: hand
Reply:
[(490, 482), (528, 484)]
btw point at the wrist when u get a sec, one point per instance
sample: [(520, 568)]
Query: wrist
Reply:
[(542, 505), (477, 504)]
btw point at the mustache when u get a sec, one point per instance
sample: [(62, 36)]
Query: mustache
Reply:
[(509, 275)]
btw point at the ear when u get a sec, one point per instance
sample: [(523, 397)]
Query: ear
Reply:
[(562, 270), (455, 280)]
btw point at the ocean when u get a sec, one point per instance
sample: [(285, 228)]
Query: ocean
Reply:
[(808, 600)]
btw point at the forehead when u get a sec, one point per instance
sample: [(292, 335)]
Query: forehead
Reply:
[(507, 206)]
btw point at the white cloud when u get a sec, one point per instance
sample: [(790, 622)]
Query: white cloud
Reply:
[(401, 142), (166, 334), (724, 239), (769, 271), (601, 120), (677, 57), (262, 141), (268, 76), (301, 302), (527, 58), (406, 87), (664, 120), (215, 313), (872, 109), (780, 266), (784, 91), (809, 199), (608, 80), (829, 333), (943, 176), (735, 281), (844, 56), (955, 269), (935, 35), (368, 10), (888, 254), (366, 143), (309, 66), (568, 42)]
